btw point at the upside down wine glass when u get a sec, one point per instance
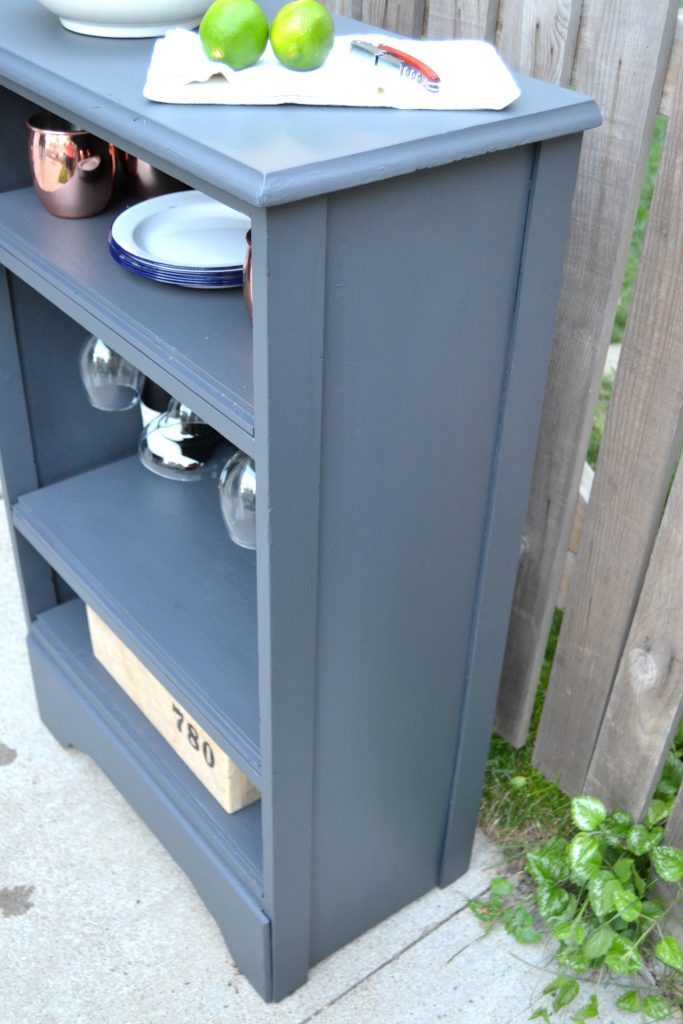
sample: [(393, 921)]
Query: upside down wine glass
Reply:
[(237, 495), (179, 445), (112, 384)]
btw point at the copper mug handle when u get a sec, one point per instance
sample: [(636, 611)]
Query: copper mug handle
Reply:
[(246, 285)]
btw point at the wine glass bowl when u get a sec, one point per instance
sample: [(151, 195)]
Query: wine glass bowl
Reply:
[(246, 279), (179, 445), (111, 383), (237, 495)]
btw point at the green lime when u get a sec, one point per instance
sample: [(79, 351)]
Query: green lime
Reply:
[(234, 32), (302, 34)]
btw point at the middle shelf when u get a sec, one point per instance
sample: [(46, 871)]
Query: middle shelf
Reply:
[(202, 336), (154, 559)]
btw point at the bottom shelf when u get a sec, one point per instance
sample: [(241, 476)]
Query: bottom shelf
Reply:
[(220, 853)]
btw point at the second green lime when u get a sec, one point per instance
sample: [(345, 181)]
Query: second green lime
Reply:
[(302, 34)]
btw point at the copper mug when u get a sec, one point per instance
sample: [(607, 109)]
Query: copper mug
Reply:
[(73, 170), (141, 180)]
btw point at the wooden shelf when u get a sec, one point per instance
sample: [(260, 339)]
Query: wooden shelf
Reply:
[(199, 336), (62, 633), (153, 558)]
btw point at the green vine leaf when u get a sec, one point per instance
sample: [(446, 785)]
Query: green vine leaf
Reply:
[(623, 869), (584, 857), (623, 957), (587, 1011), (599, 942), (652, 909), (656, 1008), (487, 911), (616, 827), (657, 812), (639, 883), (630, 1001), (520, 924), (540, 1014), (501, 886), (668, 863), (570, 933), (672, 777), (564, 989), (546, 864), (640, 840), (573, 959), (601, 893), (588, 813), (555, 903), (627, 904), (669, 951)]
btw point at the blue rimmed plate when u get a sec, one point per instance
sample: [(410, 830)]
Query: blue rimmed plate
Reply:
[(223, 279), (182, 232)]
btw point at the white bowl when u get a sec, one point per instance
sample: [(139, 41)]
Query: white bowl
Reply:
[(127, 18)]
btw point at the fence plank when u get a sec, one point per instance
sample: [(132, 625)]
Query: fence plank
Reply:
[(609, 66), (674, 829), (347, 8), (645, 704), (674, 70), (403, 16), (461, 19), (638, 453), (538, 37)]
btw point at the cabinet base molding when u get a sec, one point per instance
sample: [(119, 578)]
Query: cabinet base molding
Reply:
[(199, 751)]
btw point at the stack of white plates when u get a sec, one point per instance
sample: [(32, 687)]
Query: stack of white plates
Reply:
[(185, 238)]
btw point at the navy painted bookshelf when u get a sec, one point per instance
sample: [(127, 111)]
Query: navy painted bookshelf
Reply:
[(406, 273)]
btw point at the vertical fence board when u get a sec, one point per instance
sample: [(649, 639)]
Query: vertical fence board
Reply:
[(674, 70), (645, 704), (609, 66), (538, 37), (674, 829), (403, 16), (347, 8), (461, 19), (637, 457)]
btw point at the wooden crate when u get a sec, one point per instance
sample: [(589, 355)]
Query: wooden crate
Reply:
[(200, 752)]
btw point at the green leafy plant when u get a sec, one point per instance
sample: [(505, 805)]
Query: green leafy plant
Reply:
[(593, 891)]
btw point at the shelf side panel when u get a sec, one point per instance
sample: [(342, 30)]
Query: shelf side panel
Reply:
[(288, 355), (531, 339), (422, 277), (18, 469)]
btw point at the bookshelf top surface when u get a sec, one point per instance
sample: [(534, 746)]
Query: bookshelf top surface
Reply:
[(261, 155)]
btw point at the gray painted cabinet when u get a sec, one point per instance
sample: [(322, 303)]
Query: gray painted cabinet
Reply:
[(406, 271)]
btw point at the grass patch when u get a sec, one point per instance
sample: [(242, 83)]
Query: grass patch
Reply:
[(520, 806), (599, 419)]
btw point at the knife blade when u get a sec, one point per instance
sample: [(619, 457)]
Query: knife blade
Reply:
[(405, 63)]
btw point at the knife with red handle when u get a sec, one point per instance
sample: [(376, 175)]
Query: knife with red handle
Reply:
[(407, 65)]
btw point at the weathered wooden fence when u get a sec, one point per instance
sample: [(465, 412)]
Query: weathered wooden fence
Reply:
[(616, 690)]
